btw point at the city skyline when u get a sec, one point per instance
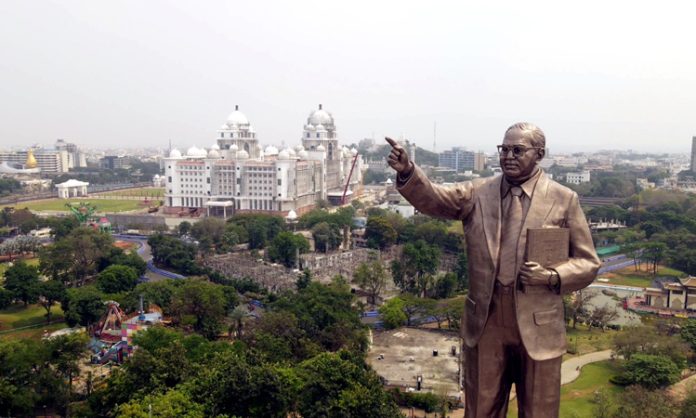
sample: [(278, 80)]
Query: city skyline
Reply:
[(600, 76)]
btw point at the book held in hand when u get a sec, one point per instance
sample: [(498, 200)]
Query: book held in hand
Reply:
[(548, 246)]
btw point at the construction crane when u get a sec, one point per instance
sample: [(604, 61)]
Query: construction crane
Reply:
[(345, 189)]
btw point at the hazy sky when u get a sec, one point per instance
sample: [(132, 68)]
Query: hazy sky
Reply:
[(597, 74)]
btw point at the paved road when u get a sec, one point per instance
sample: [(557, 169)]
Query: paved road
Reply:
[(570, 369), (153, 273)]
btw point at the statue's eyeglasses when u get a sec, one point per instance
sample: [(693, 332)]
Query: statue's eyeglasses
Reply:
[(517, 150)]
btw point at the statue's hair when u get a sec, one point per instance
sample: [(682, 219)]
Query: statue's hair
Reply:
[(530, 131)]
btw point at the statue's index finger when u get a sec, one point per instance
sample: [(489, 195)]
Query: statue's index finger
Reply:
[(391, 141)]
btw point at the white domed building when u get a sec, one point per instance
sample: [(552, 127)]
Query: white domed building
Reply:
[(237, 174)]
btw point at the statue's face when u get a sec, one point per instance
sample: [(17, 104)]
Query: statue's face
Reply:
[(520, 165)]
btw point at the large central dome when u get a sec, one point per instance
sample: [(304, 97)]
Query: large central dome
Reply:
[(321, 117), (237, 118)]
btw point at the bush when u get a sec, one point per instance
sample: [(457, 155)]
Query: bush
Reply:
[(429, 402)]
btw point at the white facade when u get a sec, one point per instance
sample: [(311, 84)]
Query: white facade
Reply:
[(72, 188), (236, 169), (49, 161), (578, 178)]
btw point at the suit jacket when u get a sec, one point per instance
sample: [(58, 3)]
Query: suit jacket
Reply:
[(477, 204)]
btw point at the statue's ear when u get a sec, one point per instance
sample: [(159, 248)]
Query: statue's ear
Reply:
[(541, 153)]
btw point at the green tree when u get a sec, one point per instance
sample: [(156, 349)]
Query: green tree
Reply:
[(50, 292), (116, 278), (462, 271), (22, 280), (75, 257), (380, 233), (651, 371), (173, 403), (285, 247), (184, 228), (233, 386), (6, 298), (688, 333), (638, 402), (326, 237), (83, 306), (336, 384), (210, 230), (201, 305), (372, 278), (654, 252), (392, 313), (415, 269)]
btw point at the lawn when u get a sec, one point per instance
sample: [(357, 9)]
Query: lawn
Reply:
[(155, 192), (576, 397), (589, 341), (628, 276), (103, 205), (18, 316), (33, 333), (5, 266)]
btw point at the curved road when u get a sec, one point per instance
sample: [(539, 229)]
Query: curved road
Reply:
[(570, 369), (143, 251)]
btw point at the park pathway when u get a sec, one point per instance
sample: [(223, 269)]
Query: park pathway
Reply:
[(570, 369)]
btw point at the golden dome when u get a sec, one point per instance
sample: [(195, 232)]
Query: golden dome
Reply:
[(31, 160)]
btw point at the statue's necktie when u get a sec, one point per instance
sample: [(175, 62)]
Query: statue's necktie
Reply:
[(512, 224)]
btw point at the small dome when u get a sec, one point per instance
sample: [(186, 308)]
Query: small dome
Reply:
[(354, 152), (291, 152), (213, 153), (298, 148), (303, 154), (224, 127), (321, 148), (389, 181), (283, 155), (242, 155), (175, 153), (156, 177), (196, 152), (271, 150), (234, 147), (215, 147), (310, 127), (320, 127), (292, 215)]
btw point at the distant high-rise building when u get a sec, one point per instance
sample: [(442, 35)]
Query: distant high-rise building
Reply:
[(693, 153), (49, 161), (76, 158), (462, 160)]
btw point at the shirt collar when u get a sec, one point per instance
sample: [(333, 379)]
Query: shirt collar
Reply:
[(527, 186)]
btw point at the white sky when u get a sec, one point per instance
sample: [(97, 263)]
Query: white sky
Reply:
[(593, 75)]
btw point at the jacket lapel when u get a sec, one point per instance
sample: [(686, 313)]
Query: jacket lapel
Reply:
[(490, 211)]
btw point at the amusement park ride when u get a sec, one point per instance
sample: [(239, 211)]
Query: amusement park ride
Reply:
[(84, 213)]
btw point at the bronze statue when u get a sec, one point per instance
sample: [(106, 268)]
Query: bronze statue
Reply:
[(513, 326)]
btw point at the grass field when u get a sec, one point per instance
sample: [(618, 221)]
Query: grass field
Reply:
[(628, 276), (18, 316), (576, 397), (589, 341), (34, 333), (103, 205), (156, 192)]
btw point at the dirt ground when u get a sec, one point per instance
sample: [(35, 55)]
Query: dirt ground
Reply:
[(401, 355)]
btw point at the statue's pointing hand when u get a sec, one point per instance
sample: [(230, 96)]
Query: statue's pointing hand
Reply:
[(398, 159)]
